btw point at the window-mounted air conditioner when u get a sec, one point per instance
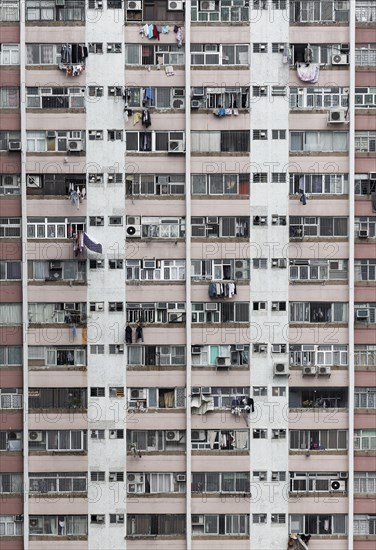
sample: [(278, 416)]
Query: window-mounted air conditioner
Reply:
[(133, 5), (180, 478), (75, 145), (362, 314), (33, 181), (175, 317), (278, 348), (239, 347), (195, 103), (18, 518), (363, 233), (198, 435), (309, 371), (14, 146), (336, 485), (337, 116), (223, 362), (340, 59), (135, 478), (196, 350), (35, 436), (207, 5), (55, 265), (343, 475), (197, 520), (324, 371), (138, 394), (196, 391), (133, 231), (99, 307), (172, 435), (69, 306), (176, 146), (211, 307), (260, 348), (280, 369), (206, 390), (372, 175), (175, 5), (212, 219)]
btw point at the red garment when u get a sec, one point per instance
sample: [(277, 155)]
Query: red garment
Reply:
[(155, 32)]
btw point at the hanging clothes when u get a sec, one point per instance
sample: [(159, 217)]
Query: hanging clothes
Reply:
[(308, 73), (149, 95), (146, 118), (139, 334), (128, 334), (179, 37), (136, 117)]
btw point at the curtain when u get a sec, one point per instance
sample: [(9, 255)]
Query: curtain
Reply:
[(40, 270), (10, 314)]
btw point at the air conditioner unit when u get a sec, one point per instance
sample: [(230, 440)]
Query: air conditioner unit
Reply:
[(99, 307), (260, 348), (362, 314), (278, 348), (135, 478), (134, 6), (35, 436), (69, 306), (100, 518), (138, 394), (55, 265), (33, 181), (211, 307), (337, 116), (178, 103), (172, 435), (309, 371), (280, 369), (133, 231), (262, 476), (197, 520), (198, 435), (196, 350), (207, 5), (195, 103), (343, 475), (239, 347), (363, 233), (134, 220), (324, 371), (175, 5), (336, 485), (372, 175), (14, 146), (18, 518), (50, 133), (180, 478), (212, 219), (60, 2), (206, 390), (340, 59), (176, 146), (75, 145), (223, 362)]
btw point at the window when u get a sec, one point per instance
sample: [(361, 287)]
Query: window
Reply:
[(57, 398), (319, 227), (219, 54), (278, 518), (318, 524), (11, 526), (258, 433), (318, 270), (10, 314), (365, 270), (220, 227), (260, 391), (115, 264), (160, 312), (152, 54), (319, 98), (278, 434), (42, 54), (214, 482), (115, 306), (149, 184), (116, 476), (260, 135), (365, 97), (223, 312), (220, 270), (11, 483), (319, 141), (318, 440), (57, 440), (260, 263), (319, 53), (116, 518), (365, 55), (96, 220), (220, 141), (278, 134), (220, 184), (97, 349), (9, 98), (259, 91), (152, 440), (95, 91), (258, 518), (116, 434), (260, 177), (9, 139), (50, 141), (365, 355), (365, 482), (329, 184), (10, 271), (155, 270), (116, 392), (224, 11), (97, 392), (364, 440), (9, 11), (115, 349), (97, 434), (157, 97), (318, 312), (365, 398), (97, 519), (10, 356), (171, 142), (98, 476), (58, 525), (10, 53), (364, 525), (278, 476), (57, 313), (319, 11), (365, 313), (156, 355), (48, 10), (10, 184), (115, 91), (310, 354), (154, 525), (50, 482), (365, 227), (95, 47), (56, 271), (365, 142), (278, 391), (114, 135), (56, 356), (115, 220), (55, 98)]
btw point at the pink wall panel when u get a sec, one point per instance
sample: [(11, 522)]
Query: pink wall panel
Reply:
[(11, 336), (11, 506), (11, 462), (364, 505), (11, 250), (9, 76), (10, 34), (11, 378), (10, 163), (11, 120), (11, 420), (11, 292), (10, 207)]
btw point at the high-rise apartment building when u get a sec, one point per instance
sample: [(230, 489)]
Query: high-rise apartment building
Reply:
[(188, 269)]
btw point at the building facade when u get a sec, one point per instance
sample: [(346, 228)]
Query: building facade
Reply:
[(220, 154)]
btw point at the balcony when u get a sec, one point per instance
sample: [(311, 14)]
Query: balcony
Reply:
[(320, 398), (62, 399)]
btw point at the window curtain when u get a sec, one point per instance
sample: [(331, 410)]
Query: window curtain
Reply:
[(10, 314)]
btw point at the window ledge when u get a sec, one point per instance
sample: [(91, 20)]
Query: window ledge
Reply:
[(57, 537), (51, 452), (55, 23), (155, 367)]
